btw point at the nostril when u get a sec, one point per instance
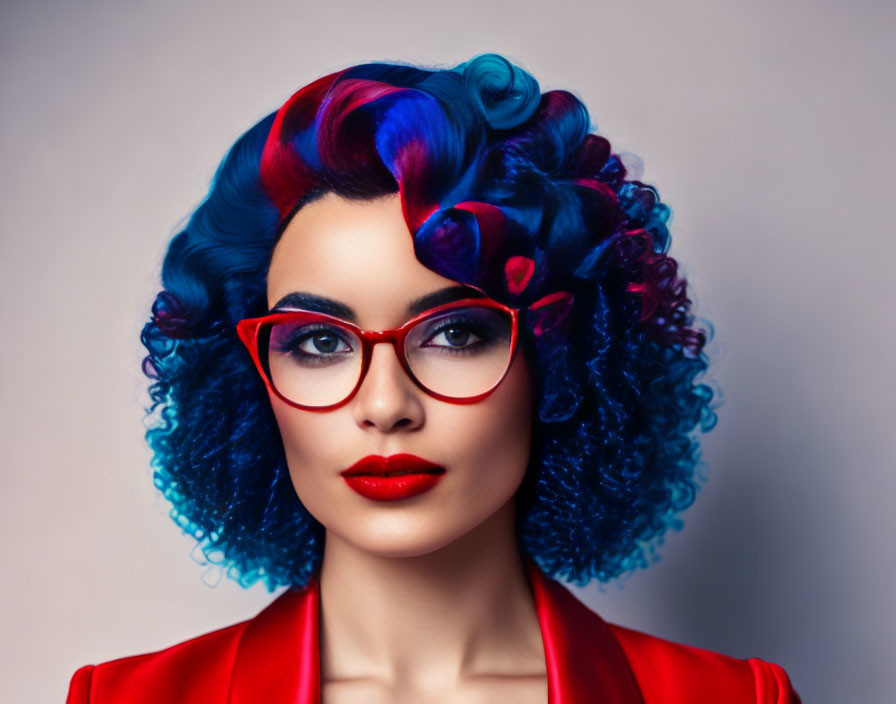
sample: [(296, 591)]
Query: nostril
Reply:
[(400, 423)]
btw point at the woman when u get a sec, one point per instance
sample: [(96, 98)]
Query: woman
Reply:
[(418, 352)]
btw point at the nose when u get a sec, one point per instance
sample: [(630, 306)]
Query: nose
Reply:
[(388, 400)]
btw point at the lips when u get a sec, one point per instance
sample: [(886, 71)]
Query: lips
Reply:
[(392, 478)]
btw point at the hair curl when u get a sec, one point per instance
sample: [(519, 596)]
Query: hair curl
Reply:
[(504, 188)]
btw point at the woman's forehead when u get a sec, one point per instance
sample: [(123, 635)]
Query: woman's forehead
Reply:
[(358, 252)]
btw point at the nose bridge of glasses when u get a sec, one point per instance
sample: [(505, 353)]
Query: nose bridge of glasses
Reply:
[(374, 337), (398, 372)]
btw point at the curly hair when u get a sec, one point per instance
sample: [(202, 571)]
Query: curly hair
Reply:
[(503, 187)]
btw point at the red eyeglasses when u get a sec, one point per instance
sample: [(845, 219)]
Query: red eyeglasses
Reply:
[(458, 352)]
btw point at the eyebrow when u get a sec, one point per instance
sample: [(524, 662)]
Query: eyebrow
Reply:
[(328, 306)]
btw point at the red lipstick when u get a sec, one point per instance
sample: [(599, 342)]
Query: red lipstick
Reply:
[(392, 478)]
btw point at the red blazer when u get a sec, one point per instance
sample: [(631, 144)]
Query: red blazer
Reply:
[(274, 659)]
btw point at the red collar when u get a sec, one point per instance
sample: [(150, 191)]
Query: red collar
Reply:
[(584, 661)]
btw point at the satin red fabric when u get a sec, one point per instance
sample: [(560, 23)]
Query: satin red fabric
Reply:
[(274, 659)]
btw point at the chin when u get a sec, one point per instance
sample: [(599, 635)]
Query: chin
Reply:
[(401, 538)]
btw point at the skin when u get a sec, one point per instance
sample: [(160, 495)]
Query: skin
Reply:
[(423, 599)]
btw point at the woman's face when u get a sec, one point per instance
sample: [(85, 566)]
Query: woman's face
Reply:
[(360, 254)]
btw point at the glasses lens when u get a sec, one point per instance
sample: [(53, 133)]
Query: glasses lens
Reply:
[(313, 362), (461, 352)]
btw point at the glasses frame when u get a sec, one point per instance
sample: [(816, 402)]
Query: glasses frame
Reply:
[(250, 331)]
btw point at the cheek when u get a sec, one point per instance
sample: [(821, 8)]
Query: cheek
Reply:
[(513, 404), (308, 443), (494, 436), (293, 431)]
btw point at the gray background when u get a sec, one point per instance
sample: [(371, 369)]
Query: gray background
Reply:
[(767, 128)]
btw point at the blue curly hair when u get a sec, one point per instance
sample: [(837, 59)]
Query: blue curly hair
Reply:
[(503, 187)]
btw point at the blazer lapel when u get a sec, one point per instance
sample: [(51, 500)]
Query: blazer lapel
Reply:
[(585, 662), (278, 661)]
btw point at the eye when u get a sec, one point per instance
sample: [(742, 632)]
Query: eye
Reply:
[(321, 343), (467, 330), (311, 343), (457, 334)]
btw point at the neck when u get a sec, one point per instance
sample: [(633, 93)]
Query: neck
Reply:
[(431, 620)]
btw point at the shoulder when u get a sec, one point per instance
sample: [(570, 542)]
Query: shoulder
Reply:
[(269, 658), (196, 670), (675, 673)]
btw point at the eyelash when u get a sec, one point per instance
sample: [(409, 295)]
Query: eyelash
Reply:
[(291, 346), (474, 328)]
